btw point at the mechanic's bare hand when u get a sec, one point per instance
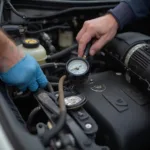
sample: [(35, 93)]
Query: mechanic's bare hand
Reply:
[(103, 29)]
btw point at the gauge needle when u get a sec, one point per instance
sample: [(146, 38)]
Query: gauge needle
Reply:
[(76, 68)]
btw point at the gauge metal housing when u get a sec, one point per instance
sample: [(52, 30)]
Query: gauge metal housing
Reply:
[(78, 77), (75, 102)]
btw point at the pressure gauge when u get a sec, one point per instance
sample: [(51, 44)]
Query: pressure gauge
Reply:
[(77, 68), (74, 102)]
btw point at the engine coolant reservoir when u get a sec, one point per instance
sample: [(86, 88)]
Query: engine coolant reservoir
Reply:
[(65, 38), (34, 48)]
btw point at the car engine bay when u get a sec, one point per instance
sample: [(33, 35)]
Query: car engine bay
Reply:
[(98, 103)]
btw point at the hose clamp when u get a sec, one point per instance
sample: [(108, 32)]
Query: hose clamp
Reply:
[(131, 52)]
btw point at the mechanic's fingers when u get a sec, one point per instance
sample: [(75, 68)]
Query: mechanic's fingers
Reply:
[(33, 86), (42, 81), (81, 32), (98, 45), (86, 37), (41, 78)]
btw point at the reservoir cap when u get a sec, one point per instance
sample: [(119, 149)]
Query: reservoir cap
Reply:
[(31, 43)]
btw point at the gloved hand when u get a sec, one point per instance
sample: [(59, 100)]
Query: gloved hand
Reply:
[(25, 74)]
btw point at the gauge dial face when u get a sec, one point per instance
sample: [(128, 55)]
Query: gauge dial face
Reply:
[(72, 100), (77, 67)]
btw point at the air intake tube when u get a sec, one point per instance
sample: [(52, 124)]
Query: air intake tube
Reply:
[(133, 51)]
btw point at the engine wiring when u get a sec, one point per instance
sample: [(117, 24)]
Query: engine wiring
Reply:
[(47, 29), (57, 14)]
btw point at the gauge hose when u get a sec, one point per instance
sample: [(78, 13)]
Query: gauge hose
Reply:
[(46, 65), (48, 135), (31, 117), (61, 94), (62, 53)]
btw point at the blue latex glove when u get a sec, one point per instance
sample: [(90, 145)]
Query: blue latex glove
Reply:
[(25, 74)]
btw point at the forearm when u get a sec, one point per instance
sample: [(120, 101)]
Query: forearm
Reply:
[(129, 10), (9, 54), (140, 7), (18, 70), (123, 14)]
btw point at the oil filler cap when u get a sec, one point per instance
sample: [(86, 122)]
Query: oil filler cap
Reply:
[(31, 43)]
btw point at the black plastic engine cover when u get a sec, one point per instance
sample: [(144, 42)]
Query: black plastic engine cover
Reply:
[(121, 111)]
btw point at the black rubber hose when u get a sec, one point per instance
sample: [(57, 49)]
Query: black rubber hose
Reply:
[(31, 116), (52, 78), (63, 12), (62, 53), (1, 10), (43, 66), (47, 29), (15, 11), (50, 88), (48, 135)]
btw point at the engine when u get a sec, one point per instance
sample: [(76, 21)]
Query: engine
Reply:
[(99, 103)]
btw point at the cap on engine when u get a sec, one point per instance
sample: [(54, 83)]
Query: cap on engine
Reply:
[(31, 43)]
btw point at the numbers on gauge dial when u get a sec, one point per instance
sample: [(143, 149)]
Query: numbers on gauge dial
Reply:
[(77, 67)]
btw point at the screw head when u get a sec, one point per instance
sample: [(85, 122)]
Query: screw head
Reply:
[(88, 126)]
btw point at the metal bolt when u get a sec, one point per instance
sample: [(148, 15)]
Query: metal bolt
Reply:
[(91, 80), (80, 113), (58, 144), (56, 95), (118, 73), (88, 126)]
